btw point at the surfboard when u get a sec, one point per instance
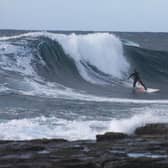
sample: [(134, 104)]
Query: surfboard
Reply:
[(149, 90)]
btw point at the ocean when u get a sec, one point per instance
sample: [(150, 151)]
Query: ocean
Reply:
[(74, 85)]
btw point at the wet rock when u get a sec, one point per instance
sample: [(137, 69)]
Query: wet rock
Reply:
[(45, 141), (111, 150), (110, 136), (135, 163), (75, 163), (153, 129)]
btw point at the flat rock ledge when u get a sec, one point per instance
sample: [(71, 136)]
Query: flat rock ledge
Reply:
[(146, 148)]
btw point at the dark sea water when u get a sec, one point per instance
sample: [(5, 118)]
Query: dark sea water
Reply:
[(74, 85)]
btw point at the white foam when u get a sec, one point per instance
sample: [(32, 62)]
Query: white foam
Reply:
[(16, 58), (128, 125), (131, 43), (42, 127), (81, 128), (31, 34)]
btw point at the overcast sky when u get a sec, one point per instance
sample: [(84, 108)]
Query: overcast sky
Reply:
[(100, 15)]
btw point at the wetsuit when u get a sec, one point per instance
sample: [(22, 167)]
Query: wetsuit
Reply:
[(137, 78)]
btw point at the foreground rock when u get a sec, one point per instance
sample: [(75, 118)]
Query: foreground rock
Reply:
[(110, 136), (144, 149), (153, 129)]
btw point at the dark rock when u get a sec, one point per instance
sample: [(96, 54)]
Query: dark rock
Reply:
[(109, 136), (46, 141), (75, 163), (115, 150), (135, 163), (153, 129)]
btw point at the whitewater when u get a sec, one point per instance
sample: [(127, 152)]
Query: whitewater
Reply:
[(74, 86)]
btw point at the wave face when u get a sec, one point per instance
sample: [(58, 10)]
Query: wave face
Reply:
[(152, 64)]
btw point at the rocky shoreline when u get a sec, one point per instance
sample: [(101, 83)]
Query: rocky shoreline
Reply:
[(146, 148)]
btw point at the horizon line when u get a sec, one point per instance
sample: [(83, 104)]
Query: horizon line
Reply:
[(13, 29)]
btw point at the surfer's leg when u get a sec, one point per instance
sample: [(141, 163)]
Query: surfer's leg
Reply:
[(134, 83), (143, 84)]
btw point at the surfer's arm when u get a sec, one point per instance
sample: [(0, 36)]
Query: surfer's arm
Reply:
[(131, 75)]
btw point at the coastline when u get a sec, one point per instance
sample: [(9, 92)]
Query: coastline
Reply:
[(147, 147)]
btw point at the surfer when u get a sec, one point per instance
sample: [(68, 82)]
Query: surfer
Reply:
[(136, 77)]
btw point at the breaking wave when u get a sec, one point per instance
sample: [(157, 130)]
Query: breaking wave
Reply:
[(98, 63)]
